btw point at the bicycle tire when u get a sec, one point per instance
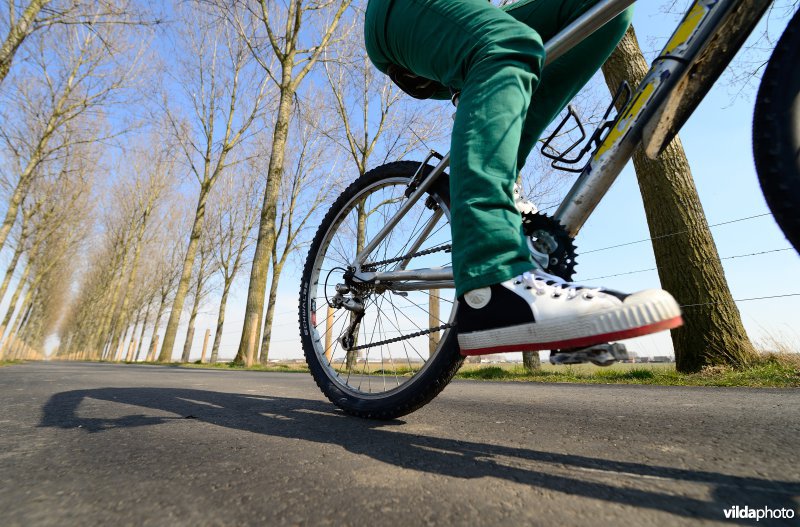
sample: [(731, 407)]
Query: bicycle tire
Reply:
[(776, 132), (338, 383)]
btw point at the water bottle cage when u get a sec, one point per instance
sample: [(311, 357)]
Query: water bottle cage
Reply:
[(559, 160)]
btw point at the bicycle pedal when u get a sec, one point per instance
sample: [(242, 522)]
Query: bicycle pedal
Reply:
[(599, 355)]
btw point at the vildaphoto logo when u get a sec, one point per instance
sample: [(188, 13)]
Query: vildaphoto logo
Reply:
[(764, 513)]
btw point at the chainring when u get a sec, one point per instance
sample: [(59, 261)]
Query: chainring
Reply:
[(549, 240)]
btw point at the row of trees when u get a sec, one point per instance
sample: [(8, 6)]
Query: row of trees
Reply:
[(144, 177)]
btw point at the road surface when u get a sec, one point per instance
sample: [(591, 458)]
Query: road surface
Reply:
[(100, 444)]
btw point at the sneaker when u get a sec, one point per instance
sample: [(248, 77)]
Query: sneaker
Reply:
[(539, 311)]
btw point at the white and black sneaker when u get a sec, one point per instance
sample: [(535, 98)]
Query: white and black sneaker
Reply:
[(539, 311)]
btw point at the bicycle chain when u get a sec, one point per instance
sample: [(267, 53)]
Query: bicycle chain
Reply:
[(369, 266), (405, 337)]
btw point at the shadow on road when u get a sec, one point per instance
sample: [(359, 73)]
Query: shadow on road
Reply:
[(318, 422)]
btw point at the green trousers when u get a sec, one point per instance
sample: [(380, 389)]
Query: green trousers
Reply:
[(494, 56)]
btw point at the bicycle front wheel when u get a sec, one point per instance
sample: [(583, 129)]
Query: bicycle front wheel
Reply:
[(776, 132), (402, 352)]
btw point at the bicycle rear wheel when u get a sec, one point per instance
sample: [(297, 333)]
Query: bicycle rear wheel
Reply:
[(401, 357), (776, 132)]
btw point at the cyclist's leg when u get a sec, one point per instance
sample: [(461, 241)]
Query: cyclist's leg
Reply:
[(495, 60), (562, 79)]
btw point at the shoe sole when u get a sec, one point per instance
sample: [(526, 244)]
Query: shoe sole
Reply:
[(623, 323)]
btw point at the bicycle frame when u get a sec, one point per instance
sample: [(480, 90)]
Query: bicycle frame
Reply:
[(651, 118)]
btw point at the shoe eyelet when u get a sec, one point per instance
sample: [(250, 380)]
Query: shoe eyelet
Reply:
[(528, 287), (517, 282), (587, 296)]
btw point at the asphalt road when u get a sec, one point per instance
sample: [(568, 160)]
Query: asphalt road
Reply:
[(95, 444)]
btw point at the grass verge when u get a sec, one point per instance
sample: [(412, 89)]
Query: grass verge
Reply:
[(9, 362), (766, 374), (286, 368), (769, 371)]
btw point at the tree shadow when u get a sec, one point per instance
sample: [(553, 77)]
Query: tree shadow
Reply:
[(318, 422)]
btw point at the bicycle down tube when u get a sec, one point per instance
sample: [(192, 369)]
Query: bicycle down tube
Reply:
[(641, 119)]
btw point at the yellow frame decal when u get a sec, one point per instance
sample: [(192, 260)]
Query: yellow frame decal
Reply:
[(622, 126), (688, 27)]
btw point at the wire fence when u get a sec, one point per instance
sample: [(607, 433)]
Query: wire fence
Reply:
[(671, 234), (231, 347)]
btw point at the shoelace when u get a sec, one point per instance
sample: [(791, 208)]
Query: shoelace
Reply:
[(541, 283)]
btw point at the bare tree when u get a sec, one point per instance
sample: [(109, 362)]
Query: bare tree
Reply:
[(56, 236), (284, 32), (19, 248), (168, 268), (373, 121), (237, 207), (204, 270), (21, 23), (25, 18), (226, 96), (50, 108), (303, 190), (152, 172)]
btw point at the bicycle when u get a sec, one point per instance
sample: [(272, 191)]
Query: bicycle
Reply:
[(379, 263)]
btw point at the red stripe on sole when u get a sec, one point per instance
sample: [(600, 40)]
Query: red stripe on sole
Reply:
[(582, 341)]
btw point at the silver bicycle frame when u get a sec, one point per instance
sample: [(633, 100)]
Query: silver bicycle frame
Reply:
[(637, 123)]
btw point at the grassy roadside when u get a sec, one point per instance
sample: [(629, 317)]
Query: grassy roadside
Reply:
[(767, 375), (286, 368), (771, 371), (9, 362)]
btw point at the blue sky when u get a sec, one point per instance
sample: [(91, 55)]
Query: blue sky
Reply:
[(717, 142)]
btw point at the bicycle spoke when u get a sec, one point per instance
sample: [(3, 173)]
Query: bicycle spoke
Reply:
[(383, 338)]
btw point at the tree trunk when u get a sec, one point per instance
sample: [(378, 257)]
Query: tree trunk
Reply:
[(265, 242), (198, 296), (120, 353), (205, 346), (151, 355), (8, 342), (141, 334), (361, 235), (17, 34), (273, 294), (688, 264), (12, 305), (187, 344), (154, 338), (220, 320), (433, 321), (131, 348), (13, 208), (137, 252), (531, 361), (12, 265), (186, 275), (129, 357), (101, 336)]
